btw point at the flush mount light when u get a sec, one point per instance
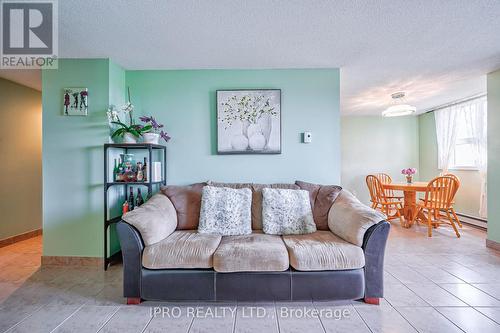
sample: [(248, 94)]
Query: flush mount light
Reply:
[(399, 107)]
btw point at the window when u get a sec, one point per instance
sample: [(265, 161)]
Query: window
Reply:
[(463, 154), (461, 132)]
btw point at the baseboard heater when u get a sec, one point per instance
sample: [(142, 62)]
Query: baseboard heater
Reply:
[(473, 220)]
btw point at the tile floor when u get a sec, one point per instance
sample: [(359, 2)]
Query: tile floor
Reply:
[(439, 284)]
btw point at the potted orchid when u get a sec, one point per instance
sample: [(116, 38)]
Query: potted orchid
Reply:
[(154, 132), (409, 174)]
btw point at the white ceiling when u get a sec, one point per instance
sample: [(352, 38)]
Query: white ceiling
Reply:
[(436, 51)]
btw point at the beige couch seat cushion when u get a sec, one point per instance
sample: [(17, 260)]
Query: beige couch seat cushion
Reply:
[(321, 251), (182, 249), (349, 218), (247, 253), (155, 219)]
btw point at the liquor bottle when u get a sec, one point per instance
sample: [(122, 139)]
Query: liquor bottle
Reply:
[(145, 171), (125, 207), (121, 172), (131, 199), (115, 171), (139, 200), (140, 172)]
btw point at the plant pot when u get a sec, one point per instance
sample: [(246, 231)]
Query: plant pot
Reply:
[(151, 138), (129, 138), (409, 179)]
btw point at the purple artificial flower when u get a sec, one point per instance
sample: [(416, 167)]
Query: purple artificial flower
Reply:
[(165, 136), (145, 119)]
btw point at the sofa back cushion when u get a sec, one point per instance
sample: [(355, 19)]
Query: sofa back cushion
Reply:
[(256, 197), (187, 203), (286, 212), (226, 211), (156, 219), (322, 198)]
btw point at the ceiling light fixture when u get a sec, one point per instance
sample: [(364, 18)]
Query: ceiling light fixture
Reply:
[(399, 106)]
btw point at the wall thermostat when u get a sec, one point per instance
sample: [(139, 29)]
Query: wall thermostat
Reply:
[(307, 137)]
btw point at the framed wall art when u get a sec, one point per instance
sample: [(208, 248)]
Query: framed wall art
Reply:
[(249, 121)]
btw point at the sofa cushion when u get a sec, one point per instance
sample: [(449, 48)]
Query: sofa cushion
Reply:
[(256, 197), (349, 218), (155, 219), (286, 212), (322, 198), (321, 251), (182, 249), (226, 211), (255, 252), (187, 202)]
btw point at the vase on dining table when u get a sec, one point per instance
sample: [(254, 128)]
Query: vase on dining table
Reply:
[(409, 179)]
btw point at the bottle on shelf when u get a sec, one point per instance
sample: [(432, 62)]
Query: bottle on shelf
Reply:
[(145, 170), (140, 172), (125, 207), (131, 199), (139, 200), (115, 171), (120, 171)]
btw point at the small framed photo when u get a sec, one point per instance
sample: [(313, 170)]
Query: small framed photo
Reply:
[(249, 121), (75, 101)]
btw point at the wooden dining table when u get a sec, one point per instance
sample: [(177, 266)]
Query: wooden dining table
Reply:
[(410, 197)]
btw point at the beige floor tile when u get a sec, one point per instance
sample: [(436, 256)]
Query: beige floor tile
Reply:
[(45, 319), (470, 320), (471, 295), (435, 295), (128, 319), (382, 319), (87, 319), (428, 320)]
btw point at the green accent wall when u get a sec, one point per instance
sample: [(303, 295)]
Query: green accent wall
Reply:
[(373, 144), (20, 156), (73, 157), (493, 84), (185, 101)]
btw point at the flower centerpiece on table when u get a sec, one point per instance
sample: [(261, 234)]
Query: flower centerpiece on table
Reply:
[(154, 132), (409, 174)]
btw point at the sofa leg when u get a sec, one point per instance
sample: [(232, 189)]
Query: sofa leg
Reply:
[(133, 300), (372, 300)]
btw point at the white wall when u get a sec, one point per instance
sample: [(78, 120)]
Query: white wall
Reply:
[(372, 144)]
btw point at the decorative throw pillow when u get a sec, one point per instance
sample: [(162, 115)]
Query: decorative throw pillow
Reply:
[(256, 197), (286, 212), (187, 201), (322, 198), (156, 219), (226, 211)]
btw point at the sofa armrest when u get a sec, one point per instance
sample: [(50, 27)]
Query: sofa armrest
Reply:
[(349, 219), (132, 246), (374, 242)]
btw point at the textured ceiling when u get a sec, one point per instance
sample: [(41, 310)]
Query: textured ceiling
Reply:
[(437, 51)]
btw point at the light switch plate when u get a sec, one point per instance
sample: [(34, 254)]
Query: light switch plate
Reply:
[(307, 137)]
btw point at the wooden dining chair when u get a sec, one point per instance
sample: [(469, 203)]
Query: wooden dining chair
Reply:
[(380, 200), (457, 183), (452, 210), (438, 198), (386, 179)]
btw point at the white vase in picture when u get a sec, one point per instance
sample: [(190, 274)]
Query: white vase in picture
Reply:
[(151, 138), (129, 138), (257, 141), (239, 142)]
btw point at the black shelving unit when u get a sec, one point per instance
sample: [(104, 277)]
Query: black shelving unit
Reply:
[(126, 147)]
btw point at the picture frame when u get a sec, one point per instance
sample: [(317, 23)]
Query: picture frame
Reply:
[(75, 101), (248, 121)]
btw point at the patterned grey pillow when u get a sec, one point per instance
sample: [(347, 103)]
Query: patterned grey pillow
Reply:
[(225, 211), (286, 212)]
